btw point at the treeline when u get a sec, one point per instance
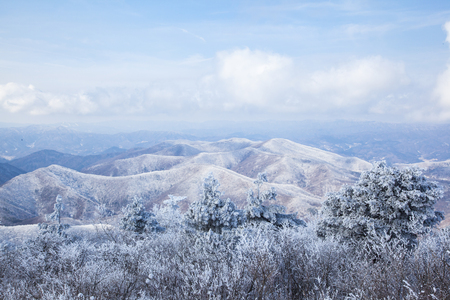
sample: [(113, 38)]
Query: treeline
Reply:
[(373, 240)]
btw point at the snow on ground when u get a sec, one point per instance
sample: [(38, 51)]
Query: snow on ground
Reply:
[(20, 233)]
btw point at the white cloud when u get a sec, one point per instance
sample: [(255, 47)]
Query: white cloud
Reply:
[(241, 82), (252, 77), (356, 82), (17, 98), (21, 100), (442, 89), (276, 83), (194, 35)]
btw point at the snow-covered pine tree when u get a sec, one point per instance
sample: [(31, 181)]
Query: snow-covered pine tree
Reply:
[(211, 212), (256, 212), (54, 216), (386, 202), (137, 219)]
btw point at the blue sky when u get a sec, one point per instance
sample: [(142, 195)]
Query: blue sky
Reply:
[(230, 60)]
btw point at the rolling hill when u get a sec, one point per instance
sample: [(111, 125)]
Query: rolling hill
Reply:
[(301, 175), (285, 162)]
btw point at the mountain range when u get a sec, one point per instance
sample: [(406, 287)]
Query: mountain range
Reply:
[(371, 141), (301, 175), (89, 169), (22, 141)]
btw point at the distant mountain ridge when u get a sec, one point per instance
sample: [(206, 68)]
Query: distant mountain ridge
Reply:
[(7, 172), (370, 141), (301, 175), (19, 142)]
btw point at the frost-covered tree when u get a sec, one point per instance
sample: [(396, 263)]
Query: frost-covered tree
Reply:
[(103, 211), (211, 212), (256, 212), (58, 208), (169, 215), (54, 216), (137, 219), (386, 202)]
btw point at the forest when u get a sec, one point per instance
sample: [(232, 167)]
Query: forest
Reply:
[(376, 239)]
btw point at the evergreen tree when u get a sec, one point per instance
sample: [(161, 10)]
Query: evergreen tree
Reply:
[(256, 212), (58, 208), (386, 202), (58, 228), (136, 219), (211, 212)]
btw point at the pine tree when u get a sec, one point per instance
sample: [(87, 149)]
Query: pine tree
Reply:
[(256, 212), (58, 228), (137, 220), (58, 208), (211, 212), (386, 202)]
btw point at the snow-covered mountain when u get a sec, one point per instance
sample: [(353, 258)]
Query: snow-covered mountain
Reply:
[(370, 141), (285, 162), (301, 175)]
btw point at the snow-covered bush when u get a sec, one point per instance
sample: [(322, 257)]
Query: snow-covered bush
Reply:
[(103, 211), (386, 203), (263, 264), (59, 229), (169, 215), (211, 212), (256, 212), (137, 219)]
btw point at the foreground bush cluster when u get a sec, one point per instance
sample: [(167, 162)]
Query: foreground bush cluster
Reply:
[(257, 262)]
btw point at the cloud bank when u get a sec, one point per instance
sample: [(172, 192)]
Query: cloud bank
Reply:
[(243, 81), (18, 98)]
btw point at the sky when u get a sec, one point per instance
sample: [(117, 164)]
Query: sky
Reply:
[(98, 60)]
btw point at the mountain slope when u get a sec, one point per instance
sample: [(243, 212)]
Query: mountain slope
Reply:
[(132, 166), (28, 197), (8, 172), (314, 170), (301, 174)]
